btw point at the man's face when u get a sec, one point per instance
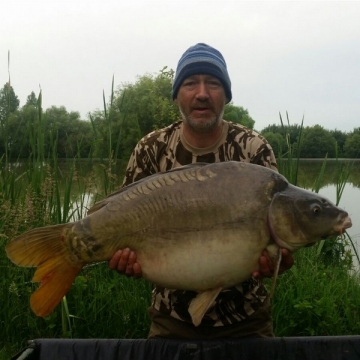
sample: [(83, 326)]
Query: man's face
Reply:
[(201, 100)]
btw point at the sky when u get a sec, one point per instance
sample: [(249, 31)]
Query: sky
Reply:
[(299, 57)]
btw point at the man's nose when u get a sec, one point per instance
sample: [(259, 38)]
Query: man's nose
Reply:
[(202, 91)]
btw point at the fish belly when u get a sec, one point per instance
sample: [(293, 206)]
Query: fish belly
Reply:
[(202, 261)]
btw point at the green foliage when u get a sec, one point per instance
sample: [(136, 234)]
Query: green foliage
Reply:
[(27, 129), (31, 100), (340, 138), (148, 105), (289, 131), (239, 115), (288, 160), (9, 101), (74, 136), (277, 142), (315, 299), (9, 104), (317, 143), (135, 110), (352, 146)]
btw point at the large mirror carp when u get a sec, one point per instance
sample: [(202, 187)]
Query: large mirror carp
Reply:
[(200, 227)]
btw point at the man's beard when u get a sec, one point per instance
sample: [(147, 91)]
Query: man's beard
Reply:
[(202, 126)]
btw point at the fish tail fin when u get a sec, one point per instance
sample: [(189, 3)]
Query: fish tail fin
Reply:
[(55, 277), (45, 249)]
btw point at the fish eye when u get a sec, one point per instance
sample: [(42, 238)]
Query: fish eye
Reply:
[(316, 209)]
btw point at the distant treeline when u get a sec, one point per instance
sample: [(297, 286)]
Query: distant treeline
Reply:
[(316, 142), (132, 111)]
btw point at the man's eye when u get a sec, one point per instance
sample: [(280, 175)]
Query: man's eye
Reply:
[(214, 83), (189, 83)]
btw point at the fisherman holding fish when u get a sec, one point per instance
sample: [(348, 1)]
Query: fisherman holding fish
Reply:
[(201, 89), (197, 212)]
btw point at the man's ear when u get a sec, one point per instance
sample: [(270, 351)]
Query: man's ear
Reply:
[(176, 101)]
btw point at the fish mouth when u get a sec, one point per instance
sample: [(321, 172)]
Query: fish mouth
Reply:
[(342, 226)]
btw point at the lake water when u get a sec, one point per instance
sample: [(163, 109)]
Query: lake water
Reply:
[(350, 198), (350, 201)]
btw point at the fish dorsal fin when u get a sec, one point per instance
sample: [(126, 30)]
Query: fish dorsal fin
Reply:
[(276, 255), (104, 201), (201, 303)]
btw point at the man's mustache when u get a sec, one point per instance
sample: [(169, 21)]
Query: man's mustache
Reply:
[(200, 104)]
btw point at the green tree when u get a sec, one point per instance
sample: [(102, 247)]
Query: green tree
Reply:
[(352, 145), (239, 115), (340, 138), (72, 135), (277, 142), (9, 104), (30, 134), (292, 131), (149, 100), (31, 99), (18, 140), (9, 101), (138, 108), (317, 143)]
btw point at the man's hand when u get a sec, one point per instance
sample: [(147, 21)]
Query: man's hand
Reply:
[(266, 265), (124, 262)]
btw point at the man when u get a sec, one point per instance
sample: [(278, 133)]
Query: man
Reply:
[(201, 89)]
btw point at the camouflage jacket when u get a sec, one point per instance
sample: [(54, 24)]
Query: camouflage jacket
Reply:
[(166, 149)]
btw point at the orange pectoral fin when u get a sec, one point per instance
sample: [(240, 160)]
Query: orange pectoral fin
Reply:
[(55, 277)]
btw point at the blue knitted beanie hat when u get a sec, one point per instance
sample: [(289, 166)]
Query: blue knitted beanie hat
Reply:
[(202, 59)]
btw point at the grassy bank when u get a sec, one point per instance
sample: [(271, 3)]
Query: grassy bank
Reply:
[(318, 296)]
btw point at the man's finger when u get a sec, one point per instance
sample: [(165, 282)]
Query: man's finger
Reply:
[(137, 270), (113, 262), (130, 263)]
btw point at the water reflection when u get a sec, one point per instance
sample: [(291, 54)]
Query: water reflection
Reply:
[(309, 171), (350, 199)]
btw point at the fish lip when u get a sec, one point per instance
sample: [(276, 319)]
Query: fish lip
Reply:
[(344, 224)]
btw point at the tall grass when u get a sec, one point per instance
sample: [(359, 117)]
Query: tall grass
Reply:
[(316, 299), (101, 303), (313, 298), (288, 164)]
